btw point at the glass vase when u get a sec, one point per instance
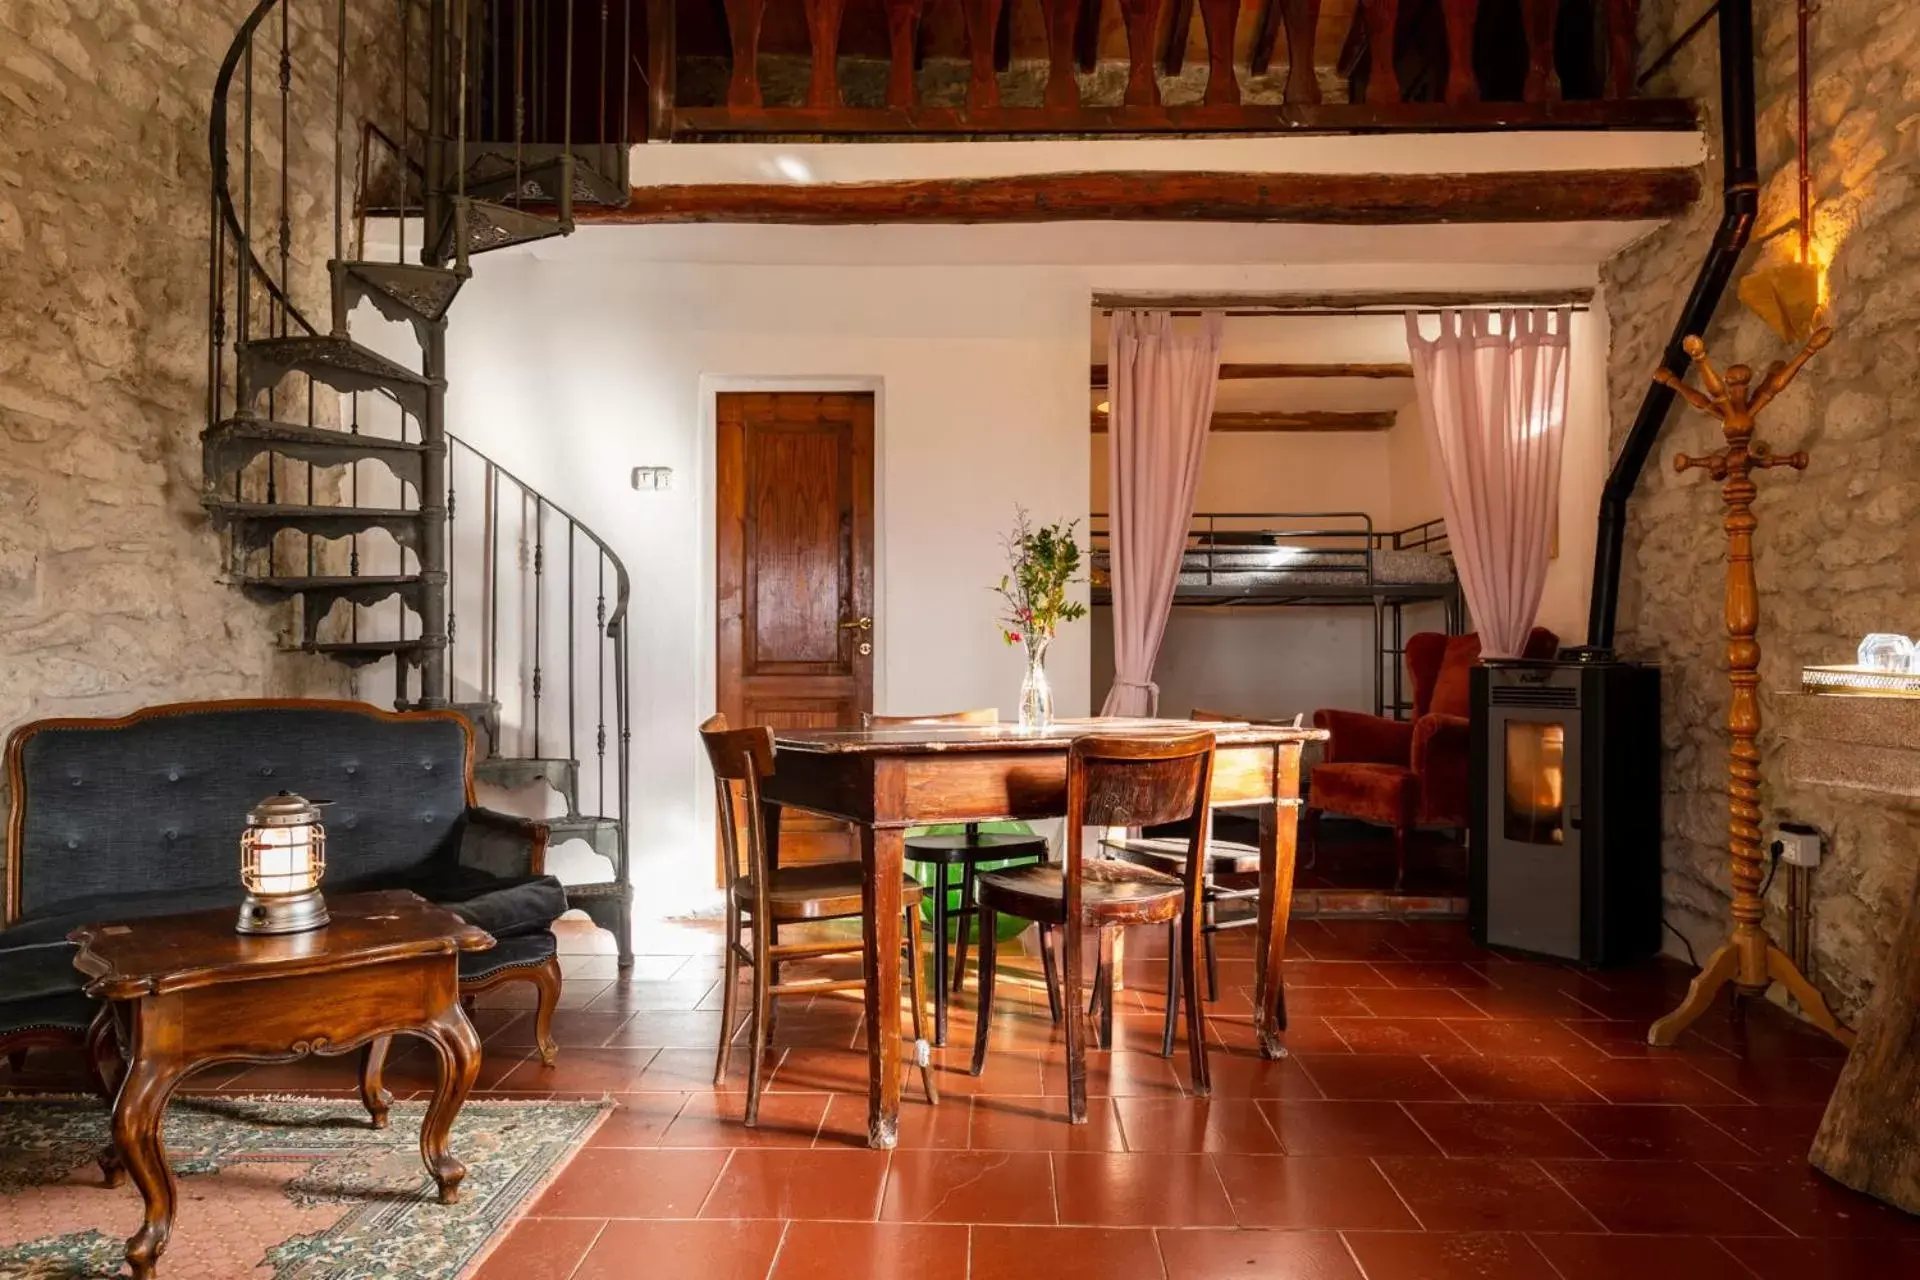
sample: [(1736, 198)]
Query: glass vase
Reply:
[(1036, 694)]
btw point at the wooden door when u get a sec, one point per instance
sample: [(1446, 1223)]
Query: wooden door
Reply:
[(795, 586)]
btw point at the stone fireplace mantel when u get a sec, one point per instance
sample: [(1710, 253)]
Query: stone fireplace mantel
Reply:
[(1870, 1136)]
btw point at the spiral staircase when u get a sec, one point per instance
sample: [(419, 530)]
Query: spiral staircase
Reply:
[(398, 142)]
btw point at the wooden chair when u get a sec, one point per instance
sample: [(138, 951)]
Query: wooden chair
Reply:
[(762, 896), (1225, 858), (966, 851), (1113, 782)]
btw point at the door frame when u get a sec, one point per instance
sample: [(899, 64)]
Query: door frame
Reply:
[(707, 663)]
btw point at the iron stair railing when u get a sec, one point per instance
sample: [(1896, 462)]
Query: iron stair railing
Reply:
[(328, 464)]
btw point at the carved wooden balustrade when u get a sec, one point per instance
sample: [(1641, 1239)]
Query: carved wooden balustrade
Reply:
[(801, 68)]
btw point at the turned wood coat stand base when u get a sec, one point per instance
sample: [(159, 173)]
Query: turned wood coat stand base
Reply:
[(184, 991)]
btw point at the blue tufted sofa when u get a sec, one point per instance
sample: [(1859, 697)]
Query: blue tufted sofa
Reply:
[(141, 815)]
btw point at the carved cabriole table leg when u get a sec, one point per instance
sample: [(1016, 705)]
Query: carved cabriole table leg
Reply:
[(454, 1039), (155, 1066), (372, 1092)]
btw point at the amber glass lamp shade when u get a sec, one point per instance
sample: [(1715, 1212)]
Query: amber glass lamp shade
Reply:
[(283, 854)]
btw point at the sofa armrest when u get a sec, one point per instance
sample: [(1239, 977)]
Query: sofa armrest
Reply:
[(1357, 738), (502, 844), (1442, 760)]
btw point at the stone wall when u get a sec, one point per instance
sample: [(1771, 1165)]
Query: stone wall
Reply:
[(110, 590), (1838, 548)]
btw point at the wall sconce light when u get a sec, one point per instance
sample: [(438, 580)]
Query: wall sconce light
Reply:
[(283, 854)]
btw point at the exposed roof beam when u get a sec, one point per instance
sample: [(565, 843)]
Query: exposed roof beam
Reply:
[(1340, 303), (1308, 420), (1243, 372), (1365, 199)]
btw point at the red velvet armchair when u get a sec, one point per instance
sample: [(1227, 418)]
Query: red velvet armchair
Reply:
[(1407, 773)]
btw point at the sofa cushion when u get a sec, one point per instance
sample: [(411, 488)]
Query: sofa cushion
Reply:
[(158, 800), (34, 971), (55, 927), (519, 952), (506, 907), (70, 1012)]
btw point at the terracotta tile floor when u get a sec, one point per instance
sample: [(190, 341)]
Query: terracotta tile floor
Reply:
[(1448, 1113)]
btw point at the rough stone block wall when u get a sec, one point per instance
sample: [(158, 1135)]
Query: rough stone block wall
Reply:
[(1838, 548), (110, 590)]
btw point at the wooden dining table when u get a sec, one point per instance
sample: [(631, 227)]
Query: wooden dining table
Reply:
[(885, 780)]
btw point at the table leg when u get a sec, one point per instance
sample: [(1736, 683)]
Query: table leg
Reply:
[(453, 1038), (882, 859), (372, 1092), (137, 1113), (1270, 945)]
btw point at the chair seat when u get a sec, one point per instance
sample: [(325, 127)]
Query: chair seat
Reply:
[(520, 951), (1108, 890), (821, 891), (985, 846), (1224, 857), (1385, 793)]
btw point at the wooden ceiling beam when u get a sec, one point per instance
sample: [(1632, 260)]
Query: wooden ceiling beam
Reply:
[(1368, 199), (1279, 304), (1245, 372), (1306, 420)]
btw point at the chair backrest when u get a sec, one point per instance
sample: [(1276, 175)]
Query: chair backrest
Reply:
[(980, 715), (739, 757), (1139, 782), (1442, 668)]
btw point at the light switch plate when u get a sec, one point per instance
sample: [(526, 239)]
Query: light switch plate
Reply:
[(652, 478)]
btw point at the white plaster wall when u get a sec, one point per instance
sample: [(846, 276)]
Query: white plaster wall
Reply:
[(578, 360)]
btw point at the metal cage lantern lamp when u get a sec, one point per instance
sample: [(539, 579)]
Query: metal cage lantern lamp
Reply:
[(283, 854)]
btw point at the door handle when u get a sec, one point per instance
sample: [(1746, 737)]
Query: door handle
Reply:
[(858, 624)]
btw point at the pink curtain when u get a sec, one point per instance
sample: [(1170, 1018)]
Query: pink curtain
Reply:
[(1493, 397), (1161, 386)]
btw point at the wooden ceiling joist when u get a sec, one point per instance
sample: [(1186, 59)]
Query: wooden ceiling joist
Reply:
[(1366, 199), (1340, 303), (1255, 372), (1306, 420)]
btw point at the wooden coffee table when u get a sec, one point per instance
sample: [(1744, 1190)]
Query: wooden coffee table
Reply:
[(183, 991)]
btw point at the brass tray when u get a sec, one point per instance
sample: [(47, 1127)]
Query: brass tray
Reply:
[(1859, 682)]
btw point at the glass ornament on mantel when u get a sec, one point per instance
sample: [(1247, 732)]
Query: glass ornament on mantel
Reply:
[(1886, 651)]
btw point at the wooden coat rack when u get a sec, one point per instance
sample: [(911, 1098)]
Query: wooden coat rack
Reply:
[(1748, 958)]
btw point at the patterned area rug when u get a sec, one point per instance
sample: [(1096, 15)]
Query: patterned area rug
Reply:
[(283, 1188)]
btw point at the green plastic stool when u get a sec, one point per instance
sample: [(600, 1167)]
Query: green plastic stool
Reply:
[(973, 847)]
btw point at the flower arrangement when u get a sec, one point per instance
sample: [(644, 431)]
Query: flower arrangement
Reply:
[(1042, 563)]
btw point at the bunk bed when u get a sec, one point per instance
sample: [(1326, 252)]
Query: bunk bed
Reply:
[(1323, 558)]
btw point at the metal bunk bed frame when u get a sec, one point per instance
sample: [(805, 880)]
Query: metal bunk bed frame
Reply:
[(1213, 534)]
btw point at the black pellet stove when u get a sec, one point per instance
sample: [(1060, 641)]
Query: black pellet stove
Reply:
[(1565, 846)]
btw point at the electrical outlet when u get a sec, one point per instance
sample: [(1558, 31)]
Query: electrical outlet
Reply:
[(652, 478), (1797, 844)]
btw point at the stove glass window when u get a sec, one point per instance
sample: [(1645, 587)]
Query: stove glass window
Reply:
[(1536, 771)]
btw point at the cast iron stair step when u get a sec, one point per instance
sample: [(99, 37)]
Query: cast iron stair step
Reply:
[(485, 718), (513, 772), (340, 363), (599, 172), (253, 524), (400, 290), (601, 833), (319, 594), (481, 226), (233, 443), (362, 653), (498, 179)]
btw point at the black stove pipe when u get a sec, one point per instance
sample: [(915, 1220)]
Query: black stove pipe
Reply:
[(1742, 199)]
